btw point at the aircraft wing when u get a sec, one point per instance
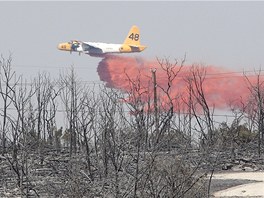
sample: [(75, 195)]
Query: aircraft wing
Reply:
[(91, 48), (88, 47)]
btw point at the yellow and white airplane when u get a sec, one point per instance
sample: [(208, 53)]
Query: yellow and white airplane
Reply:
[(130, 45)]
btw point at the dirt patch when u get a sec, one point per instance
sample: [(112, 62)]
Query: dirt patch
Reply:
[(238, 184), (219, 184)]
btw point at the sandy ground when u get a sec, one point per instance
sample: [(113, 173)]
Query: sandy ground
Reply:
[(255, 189)]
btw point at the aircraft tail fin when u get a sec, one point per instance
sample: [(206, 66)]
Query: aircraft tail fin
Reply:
[(133, 37)]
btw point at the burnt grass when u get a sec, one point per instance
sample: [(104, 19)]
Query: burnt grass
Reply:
[(54, 174)]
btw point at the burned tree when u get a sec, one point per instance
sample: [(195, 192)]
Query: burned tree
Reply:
[(8, 82), (70, 92), (257, 93)]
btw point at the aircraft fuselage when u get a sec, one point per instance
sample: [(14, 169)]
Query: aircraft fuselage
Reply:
[(130, 45)]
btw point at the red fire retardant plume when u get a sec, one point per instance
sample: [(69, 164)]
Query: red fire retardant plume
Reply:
[(221, 87)]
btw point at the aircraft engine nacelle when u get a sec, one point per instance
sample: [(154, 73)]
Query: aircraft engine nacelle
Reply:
[(125, 48)]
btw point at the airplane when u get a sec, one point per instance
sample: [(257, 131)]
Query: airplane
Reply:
[(130, 45)]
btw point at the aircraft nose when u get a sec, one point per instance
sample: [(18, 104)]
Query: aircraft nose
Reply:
[(60, 46), (65, 46)]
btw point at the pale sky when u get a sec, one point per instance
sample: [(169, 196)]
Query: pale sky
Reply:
[(224, 34)]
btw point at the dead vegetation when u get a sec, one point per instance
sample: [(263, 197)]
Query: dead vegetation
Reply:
[(141, 148)]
